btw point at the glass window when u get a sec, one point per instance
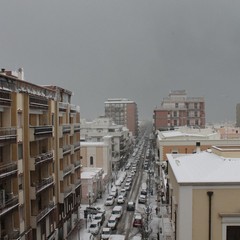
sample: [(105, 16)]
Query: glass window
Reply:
[(91, 160)]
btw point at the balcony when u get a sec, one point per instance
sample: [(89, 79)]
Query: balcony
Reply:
[(66, 149), (67, 191), (5, 98), (77, 183), (38, 103), (77, 127), (8, 134), (42, 214), (77, 164), (77, 146), (7, 170), (44, 184), (43, 158), (63, 106), (8, 203), (43, 130), (66, 129), (67, 170)]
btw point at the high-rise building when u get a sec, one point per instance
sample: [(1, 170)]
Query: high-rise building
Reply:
[(40, 182), (123, 112), (179, 110)]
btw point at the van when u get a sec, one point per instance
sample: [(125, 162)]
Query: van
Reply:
[(114, 192), (117, 211)]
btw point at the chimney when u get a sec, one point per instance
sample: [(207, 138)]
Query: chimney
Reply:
[(198, 149), (3, 71), (20, 74)]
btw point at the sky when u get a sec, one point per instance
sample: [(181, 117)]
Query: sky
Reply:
[(135, 49)]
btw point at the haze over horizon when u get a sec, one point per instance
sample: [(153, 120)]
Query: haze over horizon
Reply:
[(135, 49)]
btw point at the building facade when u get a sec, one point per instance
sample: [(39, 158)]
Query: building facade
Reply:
[(179, 110), (204, 194), (40, 132), (122, 140), (123, 112), (238, 115)]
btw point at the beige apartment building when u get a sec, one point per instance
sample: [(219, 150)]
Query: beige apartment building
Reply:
[(179, 110), (40, 184), (123, 112), (204, 193)]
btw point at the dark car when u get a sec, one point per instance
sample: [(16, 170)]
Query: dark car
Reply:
[(92, 210), (131, 206)]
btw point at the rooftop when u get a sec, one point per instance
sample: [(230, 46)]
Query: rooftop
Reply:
[(205, 168)]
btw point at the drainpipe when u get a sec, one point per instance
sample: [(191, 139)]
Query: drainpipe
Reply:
[(209, 214)]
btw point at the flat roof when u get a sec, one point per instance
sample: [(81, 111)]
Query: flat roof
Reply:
[(204, 167)]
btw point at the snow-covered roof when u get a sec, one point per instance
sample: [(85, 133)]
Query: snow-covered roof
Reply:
[(204, 167), (90, 172)]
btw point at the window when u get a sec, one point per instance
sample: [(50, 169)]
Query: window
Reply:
[(230, 226), (233, 232), (91, 160), (176, 105)]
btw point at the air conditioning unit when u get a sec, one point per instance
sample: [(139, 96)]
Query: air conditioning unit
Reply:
[(2, 197)]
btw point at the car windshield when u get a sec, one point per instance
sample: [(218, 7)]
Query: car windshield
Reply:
[(111, 221), (93, 225)]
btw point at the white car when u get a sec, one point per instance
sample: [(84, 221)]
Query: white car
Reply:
[(121, 199), (106, 233), (109, 201), (112, 222), (94, 227)]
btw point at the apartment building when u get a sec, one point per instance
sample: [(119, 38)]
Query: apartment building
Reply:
[(40, 182), (190, 140), (203, 194), (179, 110), (123, 112), (122, 140)]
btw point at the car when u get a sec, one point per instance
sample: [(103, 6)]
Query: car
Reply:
[(118, 182), (121, 199), (131, 206), (127, 186), (142, 199), (109, 201), (99, 217), (106, 233), (112, 222), (137, 221), (123, 192), (117, 211), (92, 210), (94, 227)]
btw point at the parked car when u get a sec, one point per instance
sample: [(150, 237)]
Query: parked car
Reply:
[(121, 199), (109, 201), (106, 233), (94, 227), (92, 210), (137, 221), (99, 217), (142, 199), (123, 192), (112, 222), (131, 206), (117, 211)]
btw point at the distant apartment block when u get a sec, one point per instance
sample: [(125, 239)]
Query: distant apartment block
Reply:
[(238, 115), (123, 112), (121, 138), (179, 110), (40, 177)]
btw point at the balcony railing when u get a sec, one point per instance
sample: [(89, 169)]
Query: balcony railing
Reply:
[(77, 183), (67, 191), (5, 98), (66, 128), (66, 149), (8, 133), (8, 169), (67, 170), (77, 164), (43, 130), (37, 102), (44, 157), (11, 201), (45, 183), (45, 211), (76, 146)]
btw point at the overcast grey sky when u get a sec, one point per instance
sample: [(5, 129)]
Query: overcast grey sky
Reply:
[(136, 49)]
